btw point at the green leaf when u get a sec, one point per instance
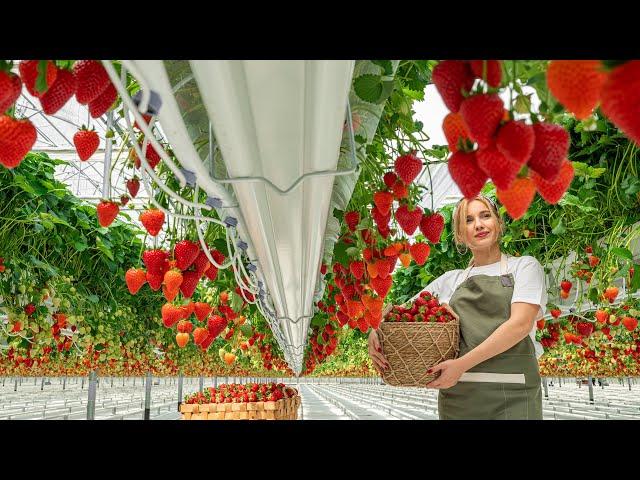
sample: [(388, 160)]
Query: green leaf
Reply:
[(559, 229), (41, 81), (93, 298), (368, 87), (320, 339), (353, 251), (340, 254), (386, 66), (622, 253), (235, 301), (24, 184), (104, 249), (635, 281), (593, 295), (317, 321), (246, 330)]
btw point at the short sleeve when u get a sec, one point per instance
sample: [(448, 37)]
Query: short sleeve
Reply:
[(530, 284)]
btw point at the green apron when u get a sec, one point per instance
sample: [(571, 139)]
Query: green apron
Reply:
[(506, 386)]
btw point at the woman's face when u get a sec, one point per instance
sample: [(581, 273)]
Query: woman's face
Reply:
[(481, 226)]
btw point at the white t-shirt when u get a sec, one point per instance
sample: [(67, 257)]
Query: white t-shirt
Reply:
[(529, 287)]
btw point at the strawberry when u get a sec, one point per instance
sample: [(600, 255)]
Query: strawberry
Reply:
[(465, 171), (206, 342), (104, 102), (420, 252), (170, 295), (182, 339), (383, 202), (517, 198), (154, 280), (201, 310), (552, 191), (564, 294), (146, 117), (135, 278), (152, 219), (482, 114), (576, 84), (451, 78), (156, 261), (229, 358), (199, 335), (408, 167), (488, 70), (60, 92), (185, 253), (124, 199), (17, 137), (499, 168), (555, 312), (150, 155), (10, 88), (29, 71), (92, 78), (133, 185), (352, 219), (620, 98), (584, 328), (566, 285), (611, 293), (390, 179), (171, 314), (515, 141), (630, 323), (201, 264), (456, 132), (382, 220), (593, 261), (185, 326), (216, 324), (173, 279), (550, 150), (212, 272), (405, 259), (357, 269), (29, 309), (382, 285), (588, 249), (602, 316), (86, 142), (107, 212), (400, 190), (189, 283), (408, 219)]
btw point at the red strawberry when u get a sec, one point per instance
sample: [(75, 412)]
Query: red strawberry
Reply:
[(352, 218), (488, 70), (216, 324), (390, 179), (382, 285), (29, 73), (104, 102), (201, 310), (135, 278), (212, 272), (501, 170), (199, 335), (156, 261), (555, 312), (152, 219), (201, 264), (357, 269), (381, 220), (456, 131), (151, 156), (172, 279), (451, 77), (550, 150), (133, 185), (171, 314), (482, 114), (383, 267), (408, 167), (10, 88), (420, 252), (189, 283), (86, 142), (408, 219), (16, 139), (566, 285), (155, 280), (107, 212), (206, 342), (124, 199), (611, 293), (553, 191), (464, 170), (593, 261), (400, 190), (576, 84), (185, 326), (515, 141), (620, 98), (630, 323), (383, 202), (92, 78), (601, 316), (584, 328), (29, 309), (185, 253), (517, 198), (60, 92)]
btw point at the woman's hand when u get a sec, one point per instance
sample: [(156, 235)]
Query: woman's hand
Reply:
[(375, 352), (450, 372)]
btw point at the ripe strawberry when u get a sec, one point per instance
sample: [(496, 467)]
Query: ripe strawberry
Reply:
[(152, 219), (552, 191), (408, 167), (199, 335), (185, 326), (400, 190), (499, 168), (357, 269), (382, 285), (405, 259), (564, 294), (482, 114), (611, 293), (229, 358), (92, 78), (10, 88), (515, 141), (133, 185), (451, 78), (104, 102), (383, 202), (152, 157), (593, 261), (16, 139), (576, 84), (124, 199), (154, 280), (189, 283), (60, 92), (171, 314), (550, 150), (588, 249), (216, 324), (390, 179), (201, 310), (201, 264), (602, 316), (566, 285), (408, 219), (29, 73), (107, 212), (185, 252), (620, 98), (173, 279), (465, 171), (156, 261), (170, 295), (555, 313), (29, 309), (135, 278), (382, 220), (517, 198), (86, 142), (420, 252), (584, 328), (212, 272), (352, 219), (207, 341), (630, 323), (182, 339), (488, 70), (456, 132)]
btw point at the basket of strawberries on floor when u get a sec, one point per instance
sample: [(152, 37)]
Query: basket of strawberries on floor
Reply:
[(249, 401), (415, 338)]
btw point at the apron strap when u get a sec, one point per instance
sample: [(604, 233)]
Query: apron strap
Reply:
[(504, 266)]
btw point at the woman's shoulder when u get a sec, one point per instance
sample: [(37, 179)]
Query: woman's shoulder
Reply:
[(523, 260)]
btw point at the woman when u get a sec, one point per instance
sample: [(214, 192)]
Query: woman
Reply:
[(497, 300)]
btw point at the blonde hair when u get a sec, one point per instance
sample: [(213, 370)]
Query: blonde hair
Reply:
[(460, 214)]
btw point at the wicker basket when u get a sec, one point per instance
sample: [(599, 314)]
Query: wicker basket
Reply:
[(283, 409), (412, 348)]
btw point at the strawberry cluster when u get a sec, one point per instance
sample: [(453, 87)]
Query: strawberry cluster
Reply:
[(242, 393), (425, 308), (323, 341)]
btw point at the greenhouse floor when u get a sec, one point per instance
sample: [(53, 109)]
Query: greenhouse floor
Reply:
[(322, 399)]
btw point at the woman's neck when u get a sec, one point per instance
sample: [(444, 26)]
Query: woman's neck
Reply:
[(487, 257)]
